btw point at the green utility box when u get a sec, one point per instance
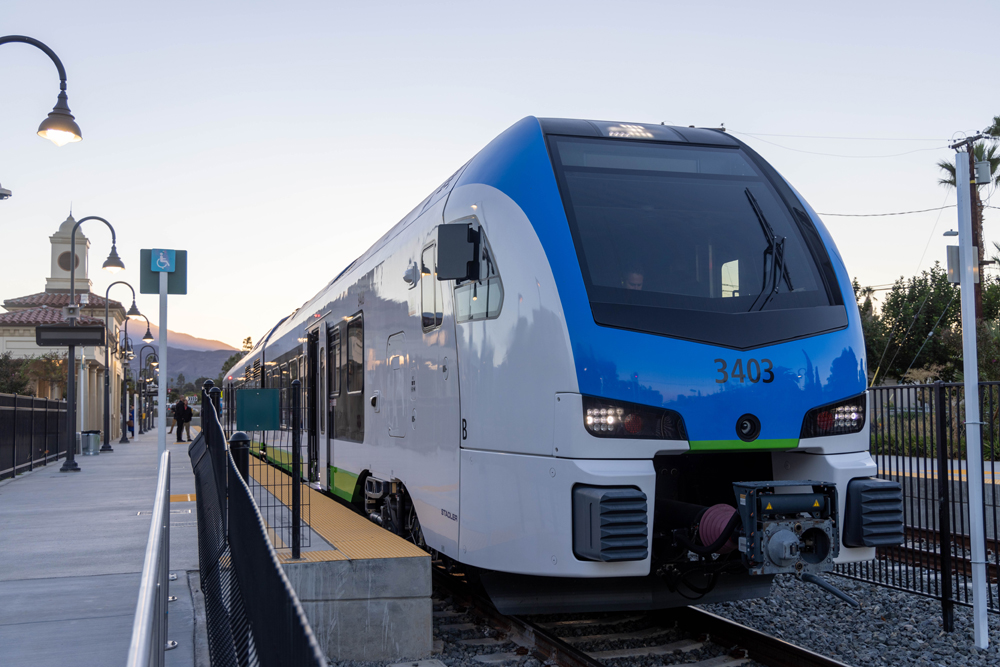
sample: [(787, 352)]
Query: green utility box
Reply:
[(257, 410)]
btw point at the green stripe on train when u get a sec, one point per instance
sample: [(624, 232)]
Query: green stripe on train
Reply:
[(342, 482), (279, 457), (732, 445)]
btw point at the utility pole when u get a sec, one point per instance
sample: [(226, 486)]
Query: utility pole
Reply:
[(964, 168), (977, 227)]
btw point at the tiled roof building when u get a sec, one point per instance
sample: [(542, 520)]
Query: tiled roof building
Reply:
[(24, 313), (57, 300), (43, 315)]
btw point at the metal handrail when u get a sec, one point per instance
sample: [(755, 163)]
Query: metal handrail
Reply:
[(149, 629)]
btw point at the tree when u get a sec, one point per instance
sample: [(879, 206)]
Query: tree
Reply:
[(247, 344), (51, 368), (12, 376), (233, 359), (916, 327), (181, 380)]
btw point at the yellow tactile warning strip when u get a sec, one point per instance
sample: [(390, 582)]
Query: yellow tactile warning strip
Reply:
[(353, 536), (183, 498)]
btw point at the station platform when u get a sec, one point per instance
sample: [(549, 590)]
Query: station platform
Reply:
[(365, 591), (72, 547)]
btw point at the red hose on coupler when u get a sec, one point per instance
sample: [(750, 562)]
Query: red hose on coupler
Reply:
[(713, 525)]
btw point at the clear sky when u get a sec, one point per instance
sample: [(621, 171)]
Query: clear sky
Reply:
[(276, 141)]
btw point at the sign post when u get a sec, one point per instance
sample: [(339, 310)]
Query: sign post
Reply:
[(163, 272)]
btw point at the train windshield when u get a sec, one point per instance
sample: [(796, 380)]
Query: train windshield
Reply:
[(673, 238)]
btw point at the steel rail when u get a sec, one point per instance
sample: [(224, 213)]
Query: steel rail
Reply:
[(761, 647), (149, 628)]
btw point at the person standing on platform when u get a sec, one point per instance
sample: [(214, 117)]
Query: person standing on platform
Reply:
[(179, 418), (131, 421), (188, 416)]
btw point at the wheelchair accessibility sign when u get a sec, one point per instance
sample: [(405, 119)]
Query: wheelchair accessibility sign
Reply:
[(156, 263), (163, 260)]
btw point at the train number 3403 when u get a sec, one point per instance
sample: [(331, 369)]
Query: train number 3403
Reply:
[(755, 371)]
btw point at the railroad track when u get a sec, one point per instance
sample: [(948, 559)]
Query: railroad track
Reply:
[(921, 548), (598, 640)]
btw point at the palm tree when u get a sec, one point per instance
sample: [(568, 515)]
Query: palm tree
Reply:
[(983, 150)]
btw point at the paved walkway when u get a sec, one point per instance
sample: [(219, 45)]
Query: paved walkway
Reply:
[(71, 551)]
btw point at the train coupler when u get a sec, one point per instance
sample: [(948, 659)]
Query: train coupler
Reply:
[(788, 532)]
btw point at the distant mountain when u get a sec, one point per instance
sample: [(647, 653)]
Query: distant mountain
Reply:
[(186, 355), (180, 341), (193, 364)]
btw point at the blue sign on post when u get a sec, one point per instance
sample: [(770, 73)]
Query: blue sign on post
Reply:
[(163, 260)]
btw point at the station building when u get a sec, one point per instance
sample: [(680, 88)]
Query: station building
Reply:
[(24, 313)]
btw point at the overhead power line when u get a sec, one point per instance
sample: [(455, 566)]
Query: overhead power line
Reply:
[(814, 136), (863, 157), (879, 215)]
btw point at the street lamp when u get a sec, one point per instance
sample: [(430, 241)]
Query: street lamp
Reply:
[(113, 264), (133, 311), (59, 127), (142, 385), (123, 350), (151, 373)]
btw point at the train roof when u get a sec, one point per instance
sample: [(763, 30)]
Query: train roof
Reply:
[(548, 126)]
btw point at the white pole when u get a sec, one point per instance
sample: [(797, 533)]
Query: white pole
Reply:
[(970, 362), (161, 393)]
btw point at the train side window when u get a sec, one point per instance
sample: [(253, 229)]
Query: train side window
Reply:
[(356, 355), (480, 299), (430, 290), (320, 386), (336, 363), (283, 396)]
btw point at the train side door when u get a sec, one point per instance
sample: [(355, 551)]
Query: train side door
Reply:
[(320, 407), (435, 415), (333, 365), (312, 371)]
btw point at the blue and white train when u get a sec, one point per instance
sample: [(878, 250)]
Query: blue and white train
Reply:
[(605, 365)]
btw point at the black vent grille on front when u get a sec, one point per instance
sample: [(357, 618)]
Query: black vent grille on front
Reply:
[(610, 523), (874, 513)]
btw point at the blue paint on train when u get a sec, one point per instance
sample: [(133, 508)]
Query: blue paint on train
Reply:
[(669, 372)]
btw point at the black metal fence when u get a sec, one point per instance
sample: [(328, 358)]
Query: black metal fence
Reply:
[(253, 615), (918, 438), (32, 433), (275, 456)]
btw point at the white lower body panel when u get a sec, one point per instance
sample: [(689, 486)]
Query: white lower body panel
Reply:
[(517, 512)]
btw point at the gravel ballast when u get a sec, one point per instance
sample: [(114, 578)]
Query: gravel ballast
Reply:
[(891, 629)]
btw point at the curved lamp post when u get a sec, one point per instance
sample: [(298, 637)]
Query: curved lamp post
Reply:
[(142, 384), (60, 127), (152, 362), (133, 311), (113, 264), (125, 354)]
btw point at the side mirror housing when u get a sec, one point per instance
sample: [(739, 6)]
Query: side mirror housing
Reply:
[(458, 252)]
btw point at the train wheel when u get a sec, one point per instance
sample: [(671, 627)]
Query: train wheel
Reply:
[(412, 524)]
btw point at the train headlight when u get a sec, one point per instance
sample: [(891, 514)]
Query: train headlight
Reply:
[(616, 419), (839, 418)]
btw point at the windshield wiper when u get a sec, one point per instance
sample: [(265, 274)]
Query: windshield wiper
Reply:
[(776, 249)]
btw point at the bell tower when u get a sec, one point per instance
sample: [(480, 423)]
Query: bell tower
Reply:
[(58, 280)]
